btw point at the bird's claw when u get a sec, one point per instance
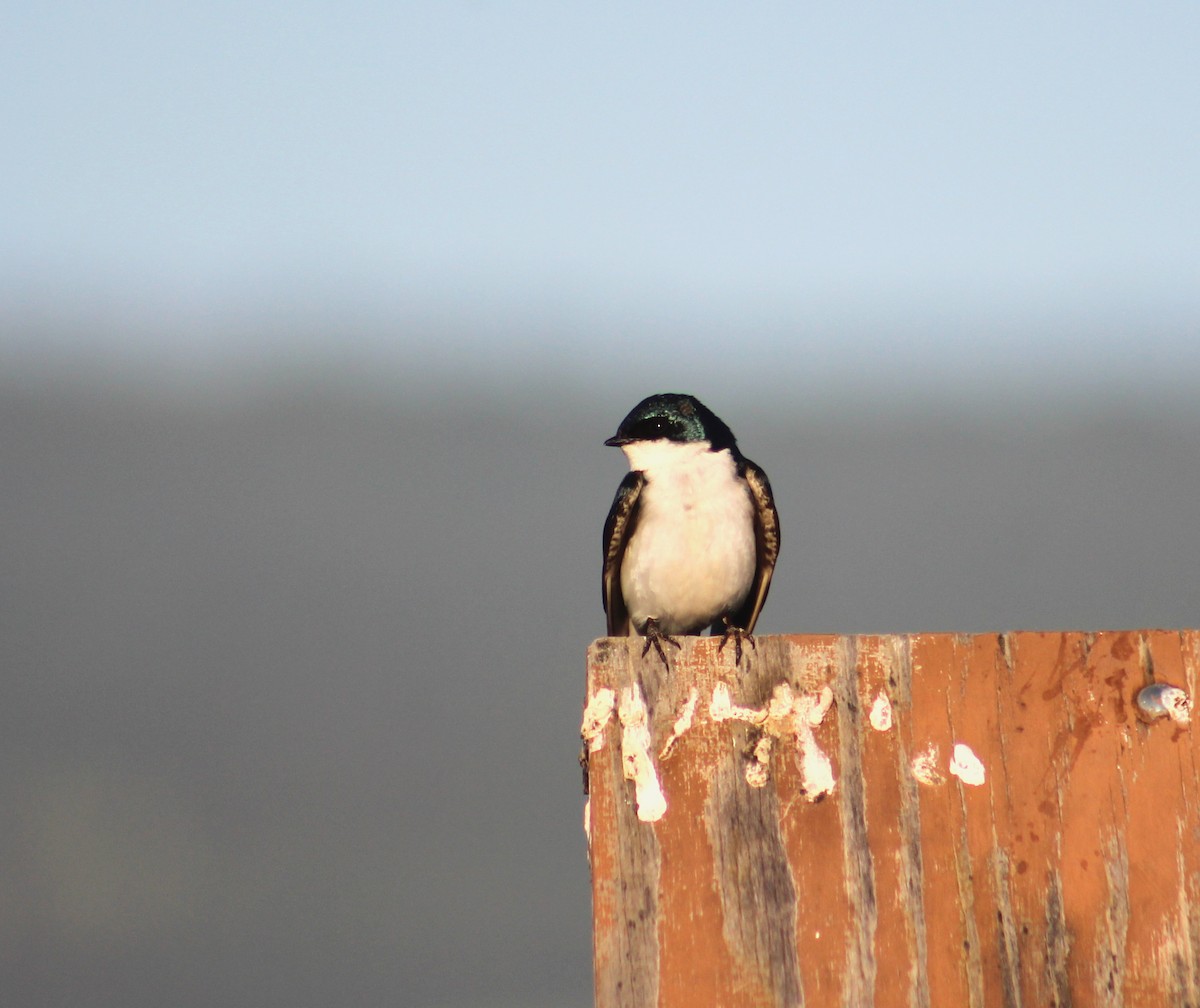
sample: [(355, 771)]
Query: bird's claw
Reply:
[(654, 638), (738, 635)]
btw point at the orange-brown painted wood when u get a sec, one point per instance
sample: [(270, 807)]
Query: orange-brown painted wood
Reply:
[(798, 831)]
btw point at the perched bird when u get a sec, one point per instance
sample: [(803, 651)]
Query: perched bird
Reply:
[(692, 535)]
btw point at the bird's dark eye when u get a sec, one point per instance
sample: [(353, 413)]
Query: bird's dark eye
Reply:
[(654, 428)]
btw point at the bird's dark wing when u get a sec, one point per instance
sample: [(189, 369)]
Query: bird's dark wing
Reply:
[(766, 538), (622, 517)]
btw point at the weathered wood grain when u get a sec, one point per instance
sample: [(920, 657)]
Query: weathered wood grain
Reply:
[(894, 820)]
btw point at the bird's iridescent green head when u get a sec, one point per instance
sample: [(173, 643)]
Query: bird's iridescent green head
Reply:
[(672, 416)]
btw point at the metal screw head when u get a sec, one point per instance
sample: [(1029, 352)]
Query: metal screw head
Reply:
[(1162, 700)]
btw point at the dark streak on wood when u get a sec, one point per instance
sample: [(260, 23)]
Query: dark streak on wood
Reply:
[(856, 854), (1058, 944), (744, 826), (912, 864), (635, 955), (966, 905), (754, 880), (1008, 945), (1110, 945), (631, 960), (1008, 941)]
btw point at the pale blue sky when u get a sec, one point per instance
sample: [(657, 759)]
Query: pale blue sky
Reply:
[(951, 185)]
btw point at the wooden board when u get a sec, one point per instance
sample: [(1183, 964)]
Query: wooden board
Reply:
[(931, 819)]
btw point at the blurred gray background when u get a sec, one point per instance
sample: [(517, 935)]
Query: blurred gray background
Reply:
[(313, 318)]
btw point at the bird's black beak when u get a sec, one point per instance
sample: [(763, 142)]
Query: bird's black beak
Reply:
[(616, 442)]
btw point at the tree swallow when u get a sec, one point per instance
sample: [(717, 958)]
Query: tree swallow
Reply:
[(692, 535)]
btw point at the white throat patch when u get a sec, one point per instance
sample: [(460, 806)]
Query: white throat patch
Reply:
[(661, 458), (692, 556)]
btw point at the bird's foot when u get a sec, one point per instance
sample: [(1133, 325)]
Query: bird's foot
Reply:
[(738, 635), (654, 639)]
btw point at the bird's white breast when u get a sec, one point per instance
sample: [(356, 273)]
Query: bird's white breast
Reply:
[(692, 555)]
